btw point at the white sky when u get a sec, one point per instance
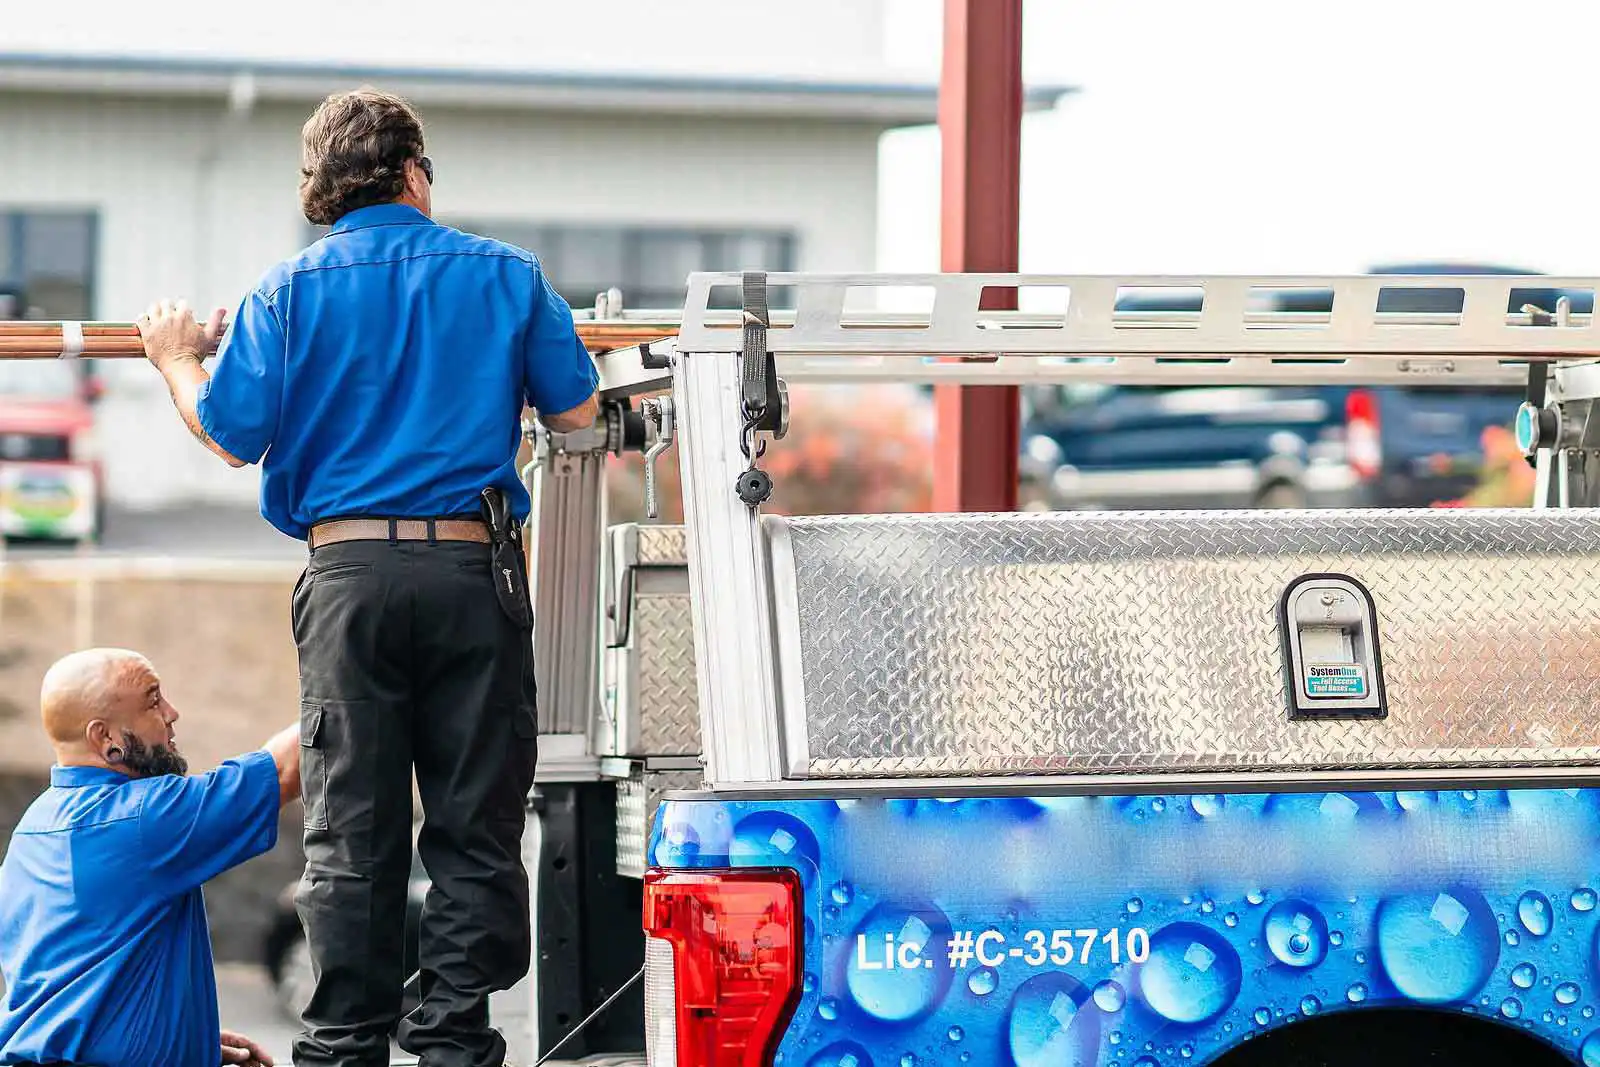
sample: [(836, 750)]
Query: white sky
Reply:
[(1253, 136)]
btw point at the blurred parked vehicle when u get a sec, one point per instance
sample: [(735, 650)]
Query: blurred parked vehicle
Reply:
[(1111, 447), (51, 481)]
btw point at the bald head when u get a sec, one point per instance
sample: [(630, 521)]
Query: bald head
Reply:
[(104, 707)]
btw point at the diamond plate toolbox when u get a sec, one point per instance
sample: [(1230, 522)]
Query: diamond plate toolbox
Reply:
[(1047, 644), (651, 701)]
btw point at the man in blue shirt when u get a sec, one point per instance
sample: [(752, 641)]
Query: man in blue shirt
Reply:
[(379, 378), (104, 945)]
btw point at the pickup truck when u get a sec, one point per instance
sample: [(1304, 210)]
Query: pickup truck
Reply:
[(1112, 446), (1124, 789)]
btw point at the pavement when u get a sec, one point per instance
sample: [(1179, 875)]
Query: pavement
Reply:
[(244, 997), (209, 531)]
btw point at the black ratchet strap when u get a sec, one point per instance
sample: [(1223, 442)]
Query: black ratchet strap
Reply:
[(758, 387), (758, 362)]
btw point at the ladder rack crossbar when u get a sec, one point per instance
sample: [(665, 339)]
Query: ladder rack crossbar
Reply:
[(1490, 317), (623, 373)]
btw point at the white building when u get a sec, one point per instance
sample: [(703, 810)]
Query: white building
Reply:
[(151, 150)]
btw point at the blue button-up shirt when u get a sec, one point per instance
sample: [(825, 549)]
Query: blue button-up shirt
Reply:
[(104, 945), (384, 370)]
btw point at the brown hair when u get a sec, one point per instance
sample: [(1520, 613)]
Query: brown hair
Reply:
[(354, 149)]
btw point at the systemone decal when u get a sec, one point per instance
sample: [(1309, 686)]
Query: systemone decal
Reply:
[(1148, 931)]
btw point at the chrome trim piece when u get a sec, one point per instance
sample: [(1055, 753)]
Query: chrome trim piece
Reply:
[(786, 627)]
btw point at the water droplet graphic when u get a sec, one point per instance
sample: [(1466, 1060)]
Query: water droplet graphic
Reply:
[(966, 1057), (1256, 896), (1469, 795), (1414, 800), (1523, 975), (1145, 1061), (1231, 919), (842, 893), (841, 1054), (775, 839), (1511, 1008), (1208, 906), (1336, 938), (1512, 939), (1048, 1026), (1437, 947), (1186, 1051), (1158, 804), (903, 993), (1134, 906), (1310, 1005), (1548, 1015), (828, 1009), (1567, 993), (1108, 996), (1116, 1037), (1356, 993), (1533, 911), (1296, 933), (1192, 975), (1588, 1012), (1207, 805), (1361, 957), (1262, 1017), (809, 983), (1583, 900), (983, 981), (908, 1060), (955, 1033), (1590, 1050)]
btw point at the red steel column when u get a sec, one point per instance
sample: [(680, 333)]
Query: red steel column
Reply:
[(980, 122)]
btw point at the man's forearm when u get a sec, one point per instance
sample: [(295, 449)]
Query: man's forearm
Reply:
[(284, 747), (184, 377)]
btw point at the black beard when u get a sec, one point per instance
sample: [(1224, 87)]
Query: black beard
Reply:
[(144, 762)]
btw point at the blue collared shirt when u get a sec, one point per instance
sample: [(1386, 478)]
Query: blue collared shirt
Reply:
[(104, 945), (384, 370)]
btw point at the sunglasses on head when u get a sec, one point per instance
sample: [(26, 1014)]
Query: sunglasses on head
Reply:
[(427, 168)]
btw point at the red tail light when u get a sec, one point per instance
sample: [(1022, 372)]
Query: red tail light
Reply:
[(735, 938), (1363, 449)]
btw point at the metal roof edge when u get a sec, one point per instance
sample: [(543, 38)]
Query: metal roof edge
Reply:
[(904, 102)]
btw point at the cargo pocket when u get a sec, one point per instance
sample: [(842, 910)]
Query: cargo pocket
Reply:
[(313, 767), (521, 758)]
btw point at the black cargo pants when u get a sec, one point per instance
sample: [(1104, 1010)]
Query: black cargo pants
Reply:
[(408, 663)]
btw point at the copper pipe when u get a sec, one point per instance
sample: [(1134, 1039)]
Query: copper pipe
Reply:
[(120, 340)]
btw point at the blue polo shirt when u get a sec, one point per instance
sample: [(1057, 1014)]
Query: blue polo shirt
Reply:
[(384, 370), (104, 945)]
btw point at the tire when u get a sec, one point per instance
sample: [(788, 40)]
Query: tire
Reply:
[(1280, 496), (293, 986)]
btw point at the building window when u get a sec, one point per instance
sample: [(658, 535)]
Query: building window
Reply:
[(649, 264), (47, 264)]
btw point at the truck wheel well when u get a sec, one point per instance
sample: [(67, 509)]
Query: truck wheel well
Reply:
[(1392, 1037)]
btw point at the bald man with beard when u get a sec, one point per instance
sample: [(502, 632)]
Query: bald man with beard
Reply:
[(104, 944)]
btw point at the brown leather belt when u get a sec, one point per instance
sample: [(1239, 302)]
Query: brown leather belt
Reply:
[(329, 533)]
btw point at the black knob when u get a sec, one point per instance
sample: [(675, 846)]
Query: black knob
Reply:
[(753, 487)]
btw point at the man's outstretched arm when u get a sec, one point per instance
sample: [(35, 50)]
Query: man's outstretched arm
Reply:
[(232, 410), (284, 747), (176, 345)]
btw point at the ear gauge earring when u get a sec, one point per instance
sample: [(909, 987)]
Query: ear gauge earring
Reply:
[(113, 754)]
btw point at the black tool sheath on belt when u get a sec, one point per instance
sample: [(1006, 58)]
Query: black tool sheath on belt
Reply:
[(509, 563)]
